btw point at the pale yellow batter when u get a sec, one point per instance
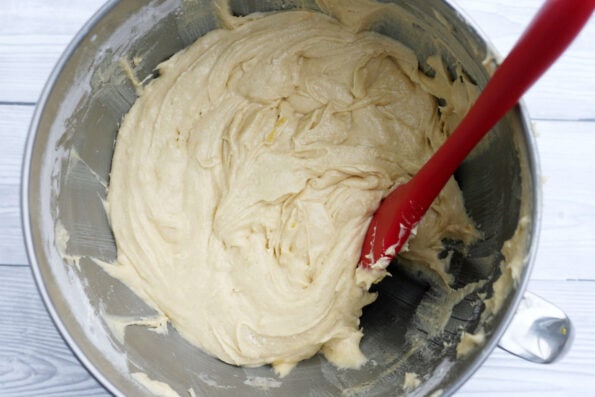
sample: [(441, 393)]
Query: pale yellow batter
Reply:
[(245, 176)]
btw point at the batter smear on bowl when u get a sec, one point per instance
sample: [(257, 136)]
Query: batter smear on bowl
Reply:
[(244, 178)]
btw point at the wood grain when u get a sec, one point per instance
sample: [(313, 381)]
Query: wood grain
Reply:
[(34, 360), (566, 90), (14, 122), (567, 243), (34, 33)]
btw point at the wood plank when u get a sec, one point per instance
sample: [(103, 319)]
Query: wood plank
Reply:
[(33, 35), (12, 246), (565, 91), (34, 361), (31, 40), (567, 241), (568, 228), (26, 63), (14, 123), (31, 17)]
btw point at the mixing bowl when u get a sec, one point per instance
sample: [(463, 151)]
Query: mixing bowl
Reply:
[(65, 180)]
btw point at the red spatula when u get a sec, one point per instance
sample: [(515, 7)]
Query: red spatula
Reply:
[(551, 31)]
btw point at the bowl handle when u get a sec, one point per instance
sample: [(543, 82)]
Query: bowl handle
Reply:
[(539, 332)]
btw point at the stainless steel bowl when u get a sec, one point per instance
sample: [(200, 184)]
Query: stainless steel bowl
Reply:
[(67, 164)]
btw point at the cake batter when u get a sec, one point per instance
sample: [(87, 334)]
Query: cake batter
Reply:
[(244, 178)]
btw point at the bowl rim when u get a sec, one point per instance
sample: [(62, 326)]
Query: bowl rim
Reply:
[(25, 198)]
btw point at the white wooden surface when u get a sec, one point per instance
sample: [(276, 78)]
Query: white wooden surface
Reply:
[(34, 361)]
